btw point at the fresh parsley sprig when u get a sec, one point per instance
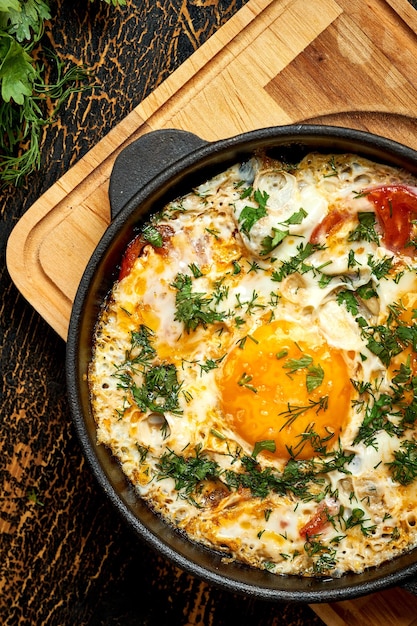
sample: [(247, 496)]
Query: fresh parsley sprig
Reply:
[(272, 241), (252, 214), (314, 372), (25, 90)]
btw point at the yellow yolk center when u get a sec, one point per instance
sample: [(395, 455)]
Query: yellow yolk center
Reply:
[(286, 385)]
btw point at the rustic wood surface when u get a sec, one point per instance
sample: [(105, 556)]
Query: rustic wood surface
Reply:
[(65, 558)]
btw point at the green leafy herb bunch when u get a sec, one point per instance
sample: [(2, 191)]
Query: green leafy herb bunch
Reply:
[(24, 87)]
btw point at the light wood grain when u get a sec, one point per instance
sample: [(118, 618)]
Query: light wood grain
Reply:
[(393, 607), (276, 62)]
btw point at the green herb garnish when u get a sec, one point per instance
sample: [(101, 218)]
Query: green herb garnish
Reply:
[(152, 235), (27, 96), (252, 214), (314, 377), (260, 446), (297, 262), (192, 308), (159, 388), (365, 230), (270, 242), (323, 557), (159, 391), (244, 381), (187, 471), (293, 365), (295, 410), (404, 467), (314, 373)]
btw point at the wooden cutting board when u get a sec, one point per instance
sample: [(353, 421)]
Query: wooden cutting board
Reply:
[(343, 62)]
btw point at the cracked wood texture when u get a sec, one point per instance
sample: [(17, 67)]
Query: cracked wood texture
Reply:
[(65, 557)]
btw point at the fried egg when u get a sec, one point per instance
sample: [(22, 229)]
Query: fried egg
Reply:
[(254, 368)]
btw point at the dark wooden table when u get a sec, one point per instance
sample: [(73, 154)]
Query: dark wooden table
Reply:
[(65, 556)]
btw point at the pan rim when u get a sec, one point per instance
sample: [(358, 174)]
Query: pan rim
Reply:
[(326, 590)]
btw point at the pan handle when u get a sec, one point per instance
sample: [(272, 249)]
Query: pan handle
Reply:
[(143, 159)]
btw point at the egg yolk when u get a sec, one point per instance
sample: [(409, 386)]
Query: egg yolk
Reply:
[(286, 385)]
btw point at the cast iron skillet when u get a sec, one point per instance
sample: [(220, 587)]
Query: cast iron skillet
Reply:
[(157, 168)]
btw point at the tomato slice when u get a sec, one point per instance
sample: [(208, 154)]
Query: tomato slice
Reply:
[(131, 254), (396, 208), (317, 523), (328, 224)]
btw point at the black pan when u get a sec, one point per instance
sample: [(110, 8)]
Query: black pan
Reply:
[(157, 168)]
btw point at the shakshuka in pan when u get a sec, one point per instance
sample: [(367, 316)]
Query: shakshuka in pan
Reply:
[(255, 364)]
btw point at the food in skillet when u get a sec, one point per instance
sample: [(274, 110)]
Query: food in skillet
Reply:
[(255, 365)]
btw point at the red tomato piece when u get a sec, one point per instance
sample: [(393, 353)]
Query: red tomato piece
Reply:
[(317, 523), (328, 224), (131, 254), (396, 208)]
